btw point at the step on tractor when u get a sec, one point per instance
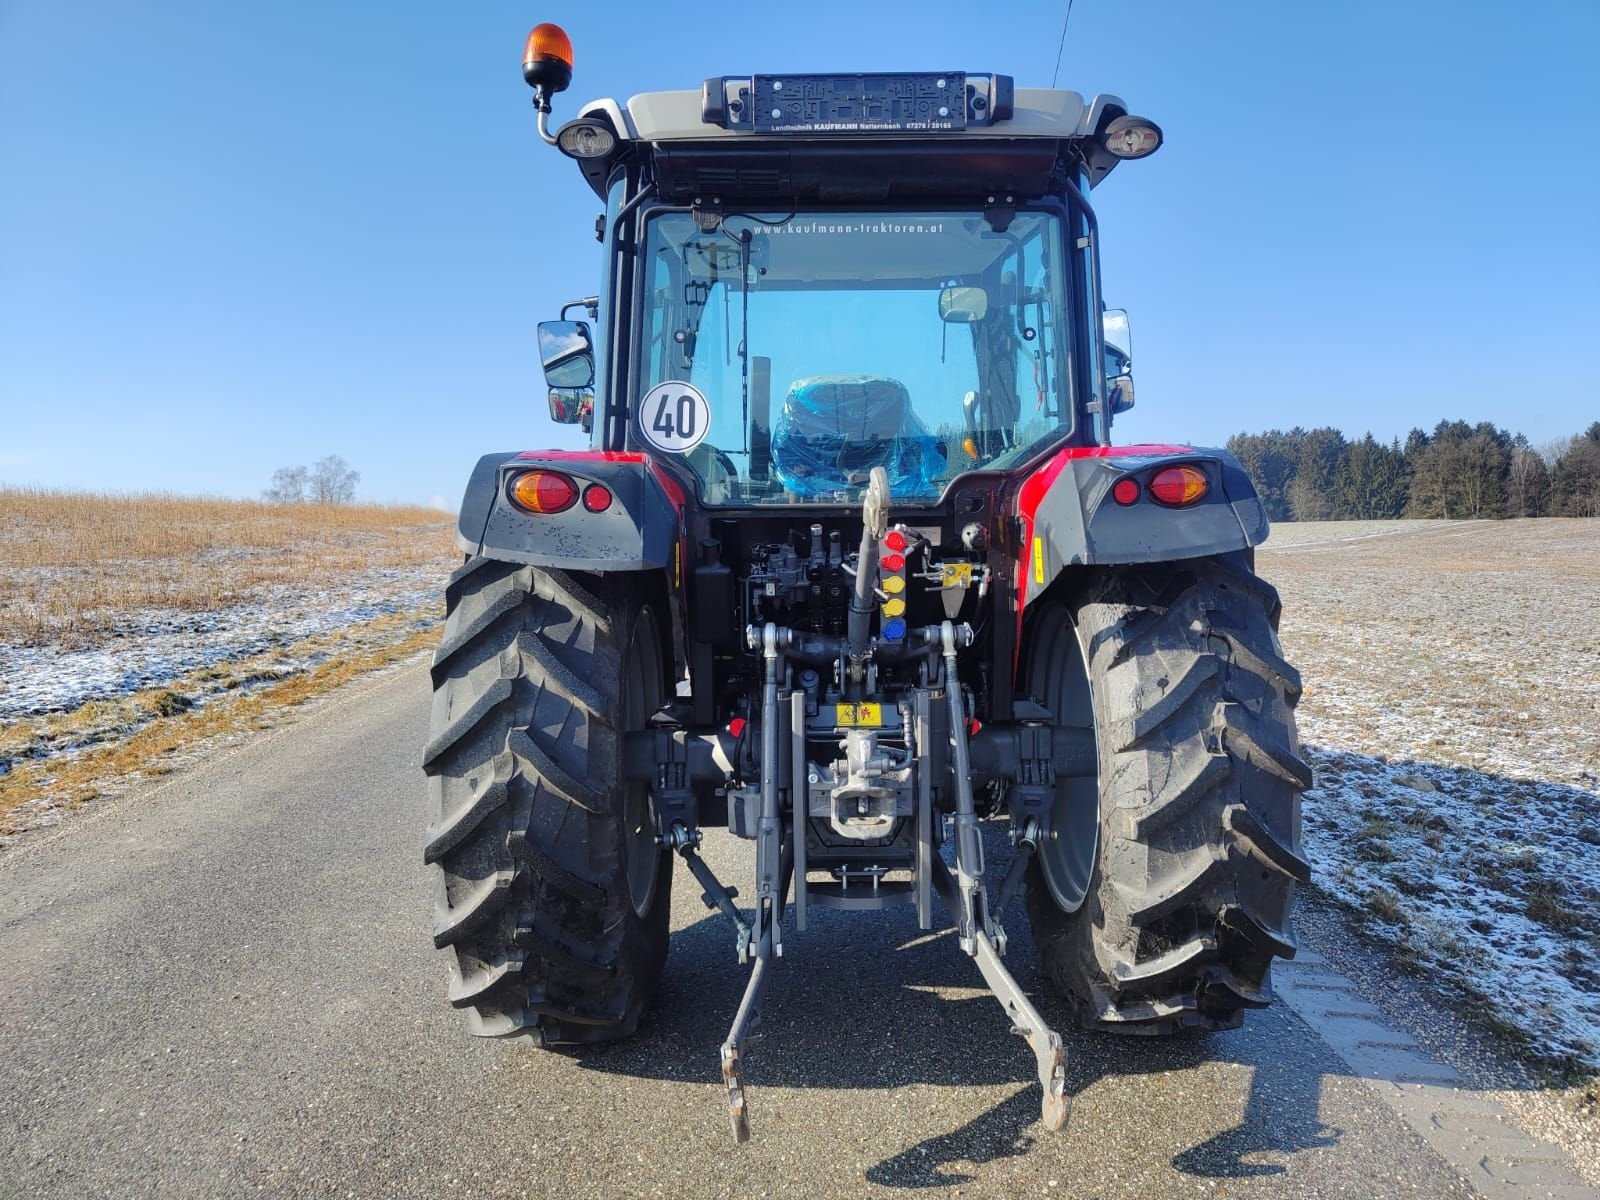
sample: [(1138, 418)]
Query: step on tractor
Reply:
[(855, 571)]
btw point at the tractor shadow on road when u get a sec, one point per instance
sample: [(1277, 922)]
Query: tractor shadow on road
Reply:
[(868, 1001), (1280, 1116)]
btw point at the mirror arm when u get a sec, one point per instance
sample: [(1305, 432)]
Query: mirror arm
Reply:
[(591, 303)]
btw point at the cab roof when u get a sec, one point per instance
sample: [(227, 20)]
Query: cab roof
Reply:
[(694, 147)]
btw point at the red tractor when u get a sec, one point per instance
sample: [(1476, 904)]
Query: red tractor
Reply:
[(852, 566)]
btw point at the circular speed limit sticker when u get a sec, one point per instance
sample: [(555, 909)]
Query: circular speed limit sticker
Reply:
[(674, 417)]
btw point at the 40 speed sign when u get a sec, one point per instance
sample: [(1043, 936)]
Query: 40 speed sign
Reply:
[(673, 417)]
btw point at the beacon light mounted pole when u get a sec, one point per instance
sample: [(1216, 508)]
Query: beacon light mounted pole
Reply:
[(547, 67)]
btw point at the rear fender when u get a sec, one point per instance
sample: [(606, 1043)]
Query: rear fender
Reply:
[(1068, 517), (641, 530)]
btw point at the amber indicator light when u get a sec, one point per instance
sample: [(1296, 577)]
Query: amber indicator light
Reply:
[(1179, 486), (543, 492)]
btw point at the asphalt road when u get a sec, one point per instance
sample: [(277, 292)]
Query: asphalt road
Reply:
[(226, 987)]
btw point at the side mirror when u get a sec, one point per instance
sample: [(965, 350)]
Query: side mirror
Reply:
[(1117, 339), (567, 351), (1116, 335), (1121, 390), (963, 305), (572, 406)]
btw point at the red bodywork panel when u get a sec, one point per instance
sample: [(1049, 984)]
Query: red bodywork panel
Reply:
[(1033, 492), (1037, 484)]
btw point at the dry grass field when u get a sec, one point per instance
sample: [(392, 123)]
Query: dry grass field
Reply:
[(136, 628), (1452, 716), (72, 562)]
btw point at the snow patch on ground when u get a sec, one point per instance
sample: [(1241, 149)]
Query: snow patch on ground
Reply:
[(1490, 883), (153, 647), (1452, 717)]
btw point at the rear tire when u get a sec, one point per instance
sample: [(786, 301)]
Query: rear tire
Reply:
[(549, 892), (1186, 897)]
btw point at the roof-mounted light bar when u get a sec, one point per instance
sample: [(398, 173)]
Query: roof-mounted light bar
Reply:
[(919, 102)]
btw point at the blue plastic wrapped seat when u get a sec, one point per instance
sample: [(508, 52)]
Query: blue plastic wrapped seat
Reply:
[(833, 429)]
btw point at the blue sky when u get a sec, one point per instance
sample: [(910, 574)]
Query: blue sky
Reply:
[(234, 237)]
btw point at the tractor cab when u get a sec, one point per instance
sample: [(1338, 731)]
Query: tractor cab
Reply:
[(812, 275)]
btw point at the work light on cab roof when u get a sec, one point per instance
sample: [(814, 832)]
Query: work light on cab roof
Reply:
[(1132, 137)]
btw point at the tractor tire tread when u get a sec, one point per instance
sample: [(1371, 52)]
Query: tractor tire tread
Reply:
[(1199, 852), (525, 839)]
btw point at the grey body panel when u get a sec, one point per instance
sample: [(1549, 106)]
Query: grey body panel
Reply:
[(1037, 112), (639, 531), (1077, 523), (663, 121)]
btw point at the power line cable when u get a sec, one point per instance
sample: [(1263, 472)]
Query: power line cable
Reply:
[(1062, 45)]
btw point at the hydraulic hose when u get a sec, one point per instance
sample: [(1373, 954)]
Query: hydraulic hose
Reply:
[(875, 523)]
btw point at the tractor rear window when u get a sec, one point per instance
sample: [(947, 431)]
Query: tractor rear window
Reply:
[(816, 346)]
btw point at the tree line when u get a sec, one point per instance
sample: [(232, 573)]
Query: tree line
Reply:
[(1457, 471)]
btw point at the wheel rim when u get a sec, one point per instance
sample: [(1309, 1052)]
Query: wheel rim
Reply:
[(641, 697), (1072, 834)]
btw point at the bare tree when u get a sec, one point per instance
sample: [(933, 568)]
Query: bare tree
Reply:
[(332, 481), (1527, 483), (1308, 502), (288, 486), (1556, 449)]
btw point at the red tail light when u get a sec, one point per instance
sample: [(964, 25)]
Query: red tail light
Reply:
[(1125, 491), (597, 498), (1179, 486), (543, 492)]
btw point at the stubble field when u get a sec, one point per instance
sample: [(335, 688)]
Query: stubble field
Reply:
[(134, 629), (1452, 717)]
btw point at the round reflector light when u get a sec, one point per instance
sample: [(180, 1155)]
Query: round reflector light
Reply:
[(1179, 486), (895, 540), (1132, 137), (586, 139), (597, 498), (1125, 491), (543, 492), (894, 562)]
